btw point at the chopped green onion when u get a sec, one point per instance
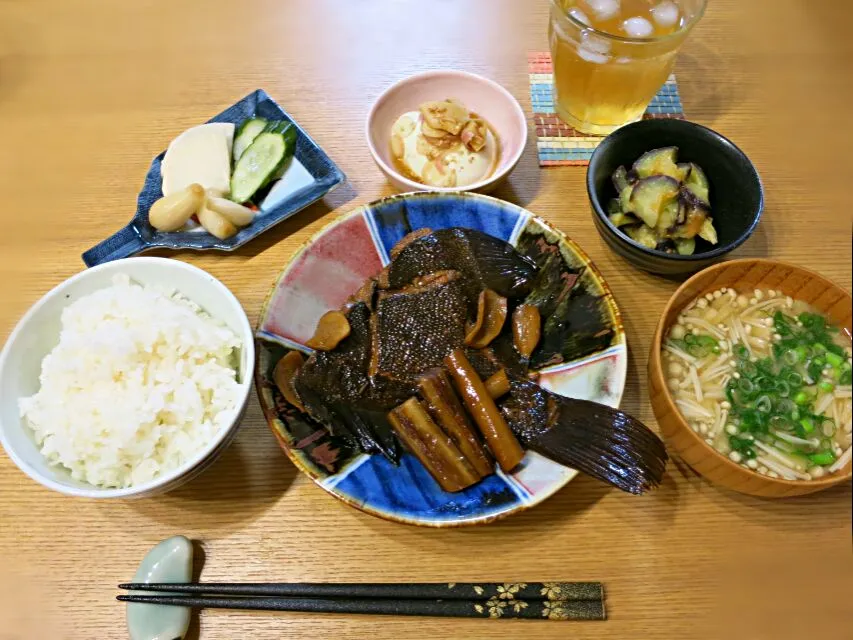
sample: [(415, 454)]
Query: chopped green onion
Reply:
[(801, 398), (835, 348), (780, 423), (812, 321), (826, 386), (747, 368), (822, 458), (817, 347), (696, 350), (678, 344), (783, 388), (791, 357), (846, 377), (763, 404), (746, 386), (834, 359), (807, 424), (794, 379), (706, 341), (740, 351), (815, 368)]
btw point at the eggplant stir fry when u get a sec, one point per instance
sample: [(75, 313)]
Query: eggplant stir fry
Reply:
[(433, 355), (663, 204)]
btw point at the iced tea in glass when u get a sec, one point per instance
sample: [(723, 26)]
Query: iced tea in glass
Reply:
[(611, 57)]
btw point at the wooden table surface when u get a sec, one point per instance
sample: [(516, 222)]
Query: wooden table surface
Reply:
[(91, 90)]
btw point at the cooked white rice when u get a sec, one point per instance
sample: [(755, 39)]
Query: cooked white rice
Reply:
[(140, 381)]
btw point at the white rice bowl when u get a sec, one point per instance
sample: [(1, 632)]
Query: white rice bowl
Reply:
[(141, 381)]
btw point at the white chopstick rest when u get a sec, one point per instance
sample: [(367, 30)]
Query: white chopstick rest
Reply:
[(169, 561)]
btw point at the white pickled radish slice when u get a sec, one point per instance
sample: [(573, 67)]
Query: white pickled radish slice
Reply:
[(665, 14), (638, 27), (579, 15), (603, 9)]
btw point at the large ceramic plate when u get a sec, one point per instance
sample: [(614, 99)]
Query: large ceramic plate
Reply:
[(331, 266)]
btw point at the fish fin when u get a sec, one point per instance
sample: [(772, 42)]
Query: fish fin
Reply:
[(600, 441)]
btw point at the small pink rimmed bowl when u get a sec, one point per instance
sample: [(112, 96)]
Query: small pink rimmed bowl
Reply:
[(482, 96)]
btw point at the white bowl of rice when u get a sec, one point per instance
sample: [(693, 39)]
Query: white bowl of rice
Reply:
[(126, 380)]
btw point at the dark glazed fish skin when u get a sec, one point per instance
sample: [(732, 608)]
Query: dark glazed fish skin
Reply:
[(578, 327), (376, 367), (575, 319), (341, 374), (416, 327), (485, 262), (604, 443), (335, 388)]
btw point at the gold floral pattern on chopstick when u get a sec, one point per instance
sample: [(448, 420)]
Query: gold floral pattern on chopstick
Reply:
[(508, 590)]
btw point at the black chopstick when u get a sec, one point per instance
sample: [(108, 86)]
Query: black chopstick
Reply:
[(532, 591), (494, 607)]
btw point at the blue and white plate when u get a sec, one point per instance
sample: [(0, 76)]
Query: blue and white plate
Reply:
[(330, 267), (310, 175)]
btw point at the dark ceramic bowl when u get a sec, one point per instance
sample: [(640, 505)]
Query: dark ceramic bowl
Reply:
[(737, 197)]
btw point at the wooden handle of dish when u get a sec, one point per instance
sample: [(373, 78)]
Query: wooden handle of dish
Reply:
[(483, 409)]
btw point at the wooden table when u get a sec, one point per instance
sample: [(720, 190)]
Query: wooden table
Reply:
[(90, 90)]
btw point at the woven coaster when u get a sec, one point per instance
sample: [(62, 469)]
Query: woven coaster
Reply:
[(559, 144)]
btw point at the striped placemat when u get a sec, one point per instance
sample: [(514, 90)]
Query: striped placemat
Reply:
[(559, 144)]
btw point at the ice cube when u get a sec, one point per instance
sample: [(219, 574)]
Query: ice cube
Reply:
[(594, 49), (638, 27), (594, 43), (579, 15), (665, 14), (592, 56), (603, 9)]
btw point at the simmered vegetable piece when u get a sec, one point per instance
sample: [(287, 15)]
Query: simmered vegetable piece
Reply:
[(668, 218), (642, 234), (708, 232), (697, 183), (620, 179), (620, 219), (650, 195), (693, 213), (685, 246), (658, 162), (663, 204)]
